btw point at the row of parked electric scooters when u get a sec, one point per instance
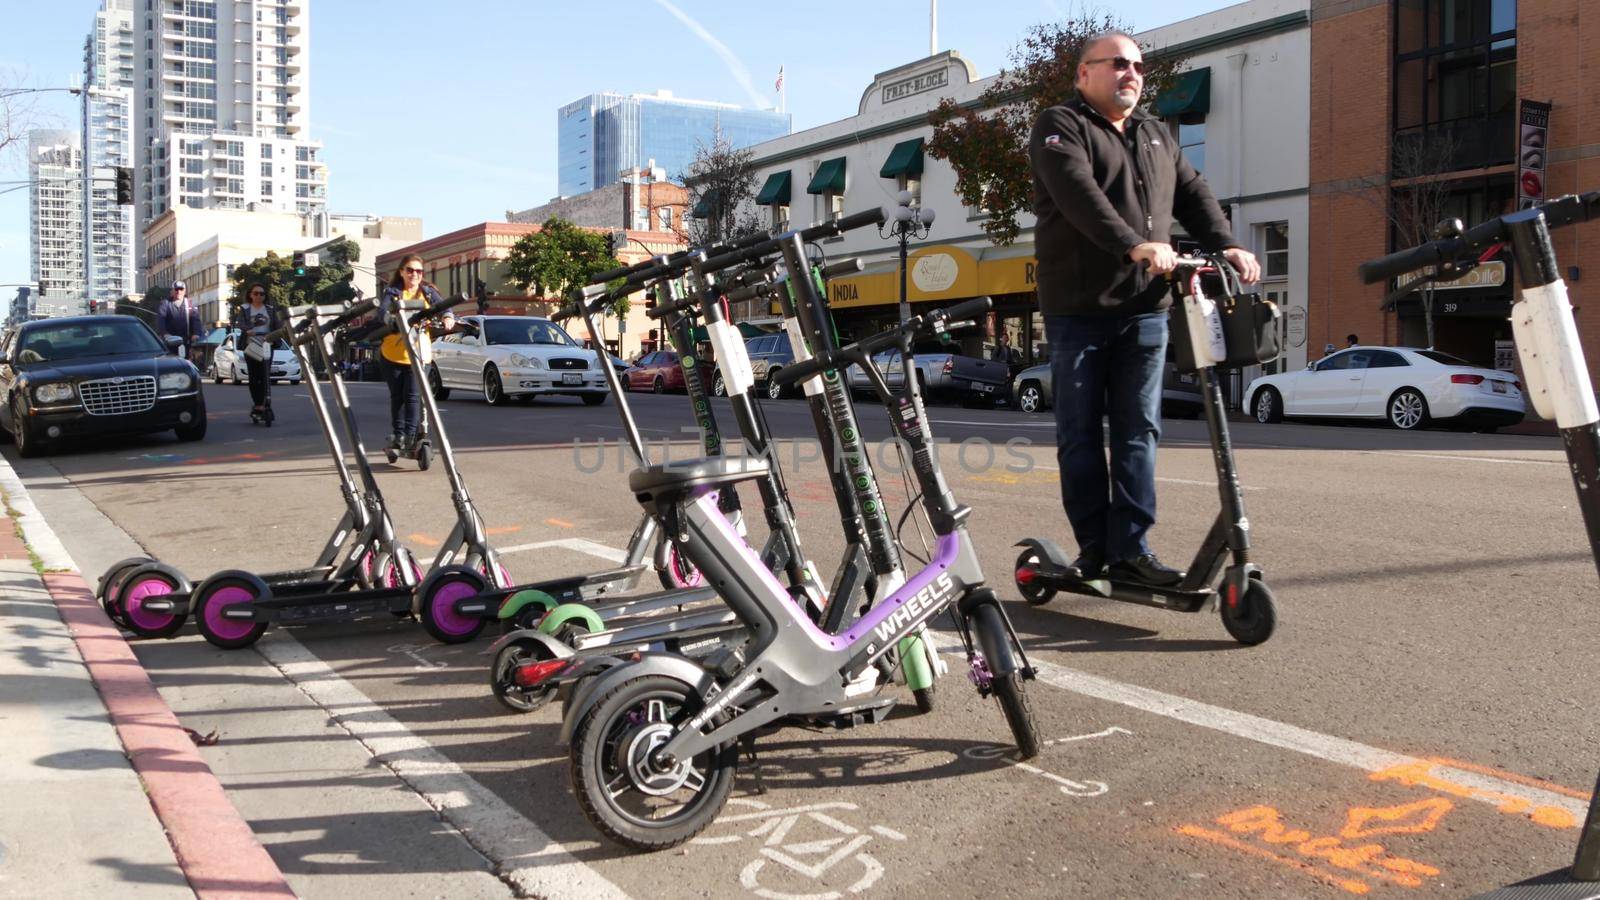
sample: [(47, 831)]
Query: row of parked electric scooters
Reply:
[(661, 689)]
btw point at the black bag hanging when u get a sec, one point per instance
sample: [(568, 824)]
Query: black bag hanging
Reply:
[(1247, 322)]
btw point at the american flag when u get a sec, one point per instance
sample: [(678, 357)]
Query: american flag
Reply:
[(779, 85)]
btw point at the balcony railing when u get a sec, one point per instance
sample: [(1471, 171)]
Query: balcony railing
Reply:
[(1453, 146)]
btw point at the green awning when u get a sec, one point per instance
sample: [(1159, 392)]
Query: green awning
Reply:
[(904, 159), (702, 208), (775, 192), (1190, 94), (829, 178)]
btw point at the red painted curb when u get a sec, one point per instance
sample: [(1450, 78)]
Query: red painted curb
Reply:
[(217, 851)]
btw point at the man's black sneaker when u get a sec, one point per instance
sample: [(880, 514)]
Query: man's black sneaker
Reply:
[(1145, 569), (1087, 566)]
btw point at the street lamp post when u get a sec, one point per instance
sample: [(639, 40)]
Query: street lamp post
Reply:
[(905, 222)]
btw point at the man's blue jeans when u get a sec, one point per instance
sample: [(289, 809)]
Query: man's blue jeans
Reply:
[(1108, 366)]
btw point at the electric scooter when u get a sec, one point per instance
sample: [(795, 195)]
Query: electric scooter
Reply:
[(1558, 385), (152, 599), (1221, 575), (655, 741), (234, 609)]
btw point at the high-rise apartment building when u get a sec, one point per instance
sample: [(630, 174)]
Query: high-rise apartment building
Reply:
[(222, 108), (55, 176), (603, 134), (107, 108)]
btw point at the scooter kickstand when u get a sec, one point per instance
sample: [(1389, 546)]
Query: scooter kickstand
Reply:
[(747, 743)]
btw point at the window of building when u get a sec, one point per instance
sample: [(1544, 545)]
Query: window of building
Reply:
[(266, 189), (266, 170), (1455, 85), (664, 214), (1274, 246), (266, 153), (1190, 132)]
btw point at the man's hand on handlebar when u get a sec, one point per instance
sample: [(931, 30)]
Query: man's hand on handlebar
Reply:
[(1245, 262), (1158, 258)]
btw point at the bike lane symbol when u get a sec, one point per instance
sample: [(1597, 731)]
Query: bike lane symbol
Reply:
[(789, 841)]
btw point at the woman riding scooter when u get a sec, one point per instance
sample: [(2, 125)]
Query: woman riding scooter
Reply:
[(253, 320), (405, 401)]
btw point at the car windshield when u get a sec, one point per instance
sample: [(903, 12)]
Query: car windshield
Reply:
[(1443, 358), (512, 331), (73, 340)]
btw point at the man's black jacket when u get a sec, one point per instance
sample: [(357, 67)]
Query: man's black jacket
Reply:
[(1094, 203)]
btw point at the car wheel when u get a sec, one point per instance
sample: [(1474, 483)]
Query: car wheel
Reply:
[(493, 391), (294, 382), (235, 372), (1408, 410), (593, 399), (1031, 399), (774, 387), (21, 434), (436, 384), (216, 374), (659, 386), (718, 387), (1268, 406)]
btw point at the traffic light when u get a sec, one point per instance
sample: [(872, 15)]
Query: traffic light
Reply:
[(124, 186), (299, 263)]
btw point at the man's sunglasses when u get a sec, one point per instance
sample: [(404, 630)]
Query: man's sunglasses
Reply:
[(1120, 63)]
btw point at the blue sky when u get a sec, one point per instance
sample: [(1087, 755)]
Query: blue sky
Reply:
[(447, 110)]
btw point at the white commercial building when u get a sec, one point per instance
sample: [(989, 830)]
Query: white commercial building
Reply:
[(1240, 112), (222, 108), (108, 72), (55, 176)]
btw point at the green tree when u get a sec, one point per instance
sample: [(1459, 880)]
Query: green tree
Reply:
[(329, 282), (722, 183), (557, 258), (145, 307), (986, 143)]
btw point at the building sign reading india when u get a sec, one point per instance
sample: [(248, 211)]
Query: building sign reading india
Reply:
[(916, 84)]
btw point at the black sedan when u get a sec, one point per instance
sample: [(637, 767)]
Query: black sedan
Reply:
[(94, 375)]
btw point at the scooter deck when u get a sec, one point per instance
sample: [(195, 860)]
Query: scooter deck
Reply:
[(289, 583), (322, 607), (576, 589), (870, 712), (1172, 598), (644, 604), (656, 629)]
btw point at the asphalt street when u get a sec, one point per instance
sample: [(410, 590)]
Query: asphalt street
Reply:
[(1421, 725)]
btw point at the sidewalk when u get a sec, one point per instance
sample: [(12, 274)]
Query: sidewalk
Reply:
[(104, 793), (75, 821)]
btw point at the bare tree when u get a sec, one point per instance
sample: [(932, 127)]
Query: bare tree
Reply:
[(721, 181), (19, 112), (1416, 196)]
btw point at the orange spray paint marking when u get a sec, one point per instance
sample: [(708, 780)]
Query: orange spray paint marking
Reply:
[(422, 539), (503, 529), (1425, 773), (559, 523), (1306, 852)]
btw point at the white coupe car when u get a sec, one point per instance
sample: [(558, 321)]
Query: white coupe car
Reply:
[(228, 362), (515, 356), (1407, 386)]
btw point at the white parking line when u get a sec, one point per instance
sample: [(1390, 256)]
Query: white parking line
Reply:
[(578, 544), (1189, 481), (1483, 459), (523, 853), (1001, 424)]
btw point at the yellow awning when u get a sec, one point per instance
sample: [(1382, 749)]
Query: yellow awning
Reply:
[(938, 272)]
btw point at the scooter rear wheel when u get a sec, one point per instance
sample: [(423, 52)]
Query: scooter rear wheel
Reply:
[(622, 792), (1030, 583), (502, 677), (150, 580), (424, 456), (111, 582), (223, 590), (437, 605), (1252, 618)]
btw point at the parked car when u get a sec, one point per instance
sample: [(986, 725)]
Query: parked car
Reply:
[(228, 362), (1410, 388), (944, 373), (94, 375), (769, 353), (657, 372), (519, 357), (1180, 392)]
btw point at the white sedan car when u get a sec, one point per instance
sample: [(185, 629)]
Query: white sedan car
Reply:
[(1407, 386), (515, 356), (228, 362)]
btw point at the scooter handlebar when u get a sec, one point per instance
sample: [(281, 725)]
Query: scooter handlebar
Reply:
[(434, 312), (843, 267)]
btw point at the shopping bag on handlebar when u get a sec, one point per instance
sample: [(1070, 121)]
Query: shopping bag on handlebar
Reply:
[(1215, 323)]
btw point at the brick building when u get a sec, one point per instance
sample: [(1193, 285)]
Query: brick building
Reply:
[(1407, 92)]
